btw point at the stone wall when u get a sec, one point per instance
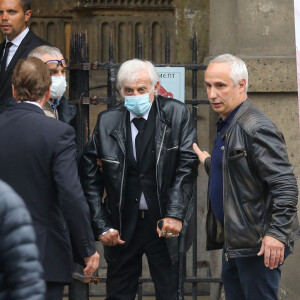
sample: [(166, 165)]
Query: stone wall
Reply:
[(262, 33)]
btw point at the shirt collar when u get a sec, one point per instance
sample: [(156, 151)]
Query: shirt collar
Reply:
[(18, 39), (145, 116), (34, 103)]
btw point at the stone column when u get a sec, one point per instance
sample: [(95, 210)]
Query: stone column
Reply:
[(262, 33)]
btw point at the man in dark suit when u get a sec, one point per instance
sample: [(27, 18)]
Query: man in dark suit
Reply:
[(37, 158), (148, 171), (19, 41)]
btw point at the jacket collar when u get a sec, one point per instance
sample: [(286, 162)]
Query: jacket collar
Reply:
[(239, 113), (28, 106), (160, 111)]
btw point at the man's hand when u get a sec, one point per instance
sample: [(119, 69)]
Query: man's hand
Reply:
[(111, 238), (99, 163), (273, 250), (202, 155), (92, 263), (171, 226)]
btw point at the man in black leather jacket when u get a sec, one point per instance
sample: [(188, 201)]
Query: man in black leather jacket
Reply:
[(252, 193), (144, 182)]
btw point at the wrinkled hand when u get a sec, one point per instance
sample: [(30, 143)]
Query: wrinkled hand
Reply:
[(273, 251), (202, 155), (171, 225), (111, 238), (92, 264)]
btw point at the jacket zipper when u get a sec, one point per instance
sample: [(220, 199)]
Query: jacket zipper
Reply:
[(253, 221), (111, 161), (121, 198), (157, 168), (224, 208)]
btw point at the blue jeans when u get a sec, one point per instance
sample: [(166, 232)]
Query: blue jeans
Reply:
[(247, 278)]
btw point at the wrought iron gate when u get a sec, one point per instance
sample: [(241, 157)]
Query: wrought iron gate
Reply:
[(80, 67)]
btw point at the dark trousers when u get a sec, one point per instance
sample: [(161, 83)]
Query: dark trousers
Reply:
[(125, 265), (54, 290), (247, 278)]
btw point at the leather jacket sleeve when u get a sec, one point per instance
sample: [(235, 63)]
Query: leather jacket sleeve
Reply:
[(271, 160), (186, 172), (93, 185)]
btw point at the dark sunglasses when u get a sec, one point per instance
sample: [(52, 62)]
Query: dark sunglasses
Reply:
[(54, 63)]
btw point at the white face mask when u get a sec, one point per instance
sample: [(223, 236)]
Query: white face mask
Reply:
[(58, 86)]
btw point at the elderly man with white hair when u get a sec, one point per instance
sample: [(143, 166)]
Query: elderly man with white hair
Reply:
[(253, 192), (148, 171)]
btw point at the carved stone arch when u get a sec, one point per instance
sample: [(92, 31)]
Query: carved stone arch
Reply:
[(51, 33), (105, 36), (156, 42)]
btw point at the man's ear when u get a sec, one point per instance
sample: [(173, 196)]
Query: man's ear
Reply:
[(14, 92), (27, 15), (48, 93), (242, 85), (156, 87)]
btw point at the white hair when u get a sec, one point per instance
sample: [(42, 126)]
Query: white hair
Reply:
[(40, 51), (131, 69), (238, 68)]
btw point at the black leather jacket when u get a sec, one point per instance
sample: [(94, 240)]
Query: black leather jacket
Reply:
[(176, 164), (259, 188)]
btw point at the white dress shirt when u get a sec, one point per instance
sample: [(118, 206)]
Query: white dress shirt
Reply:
[(15, 45), (34, 103), (134, 131)]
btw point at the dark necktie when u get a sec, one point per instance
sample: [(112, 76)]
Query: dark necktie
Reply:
[(140, 124), (4, 58)]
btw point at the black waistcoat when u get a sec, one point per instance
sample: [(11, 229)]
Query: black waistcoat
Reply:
[(141, 176)]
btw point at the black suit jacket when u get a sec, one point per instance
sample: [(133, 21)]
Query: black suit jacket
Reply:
[(29, 42), (37, 158)]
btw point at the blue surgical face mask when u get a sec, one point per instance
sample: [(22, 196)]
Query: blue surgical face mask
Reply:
[(138, 105)]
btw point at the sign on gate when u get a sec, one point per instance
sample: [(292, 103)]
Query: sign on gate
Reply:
[(172, 82)]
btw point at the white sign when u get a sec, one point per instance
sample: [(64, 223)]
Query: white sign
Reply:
[(172, 82), (297, 32)]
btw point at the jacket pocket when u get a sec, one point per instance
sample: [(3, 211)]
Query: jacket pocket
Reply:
[(252, 221), (237, 153)]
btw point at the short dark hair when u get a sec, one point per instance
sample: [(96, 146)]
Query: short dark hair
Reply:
[(31, 79), (26, 5)]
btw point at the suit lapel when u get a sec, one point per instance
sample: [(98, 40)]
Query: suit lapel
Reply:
[(1, 53), (19, 51), (130, 155), (2, 45), (149, 130)]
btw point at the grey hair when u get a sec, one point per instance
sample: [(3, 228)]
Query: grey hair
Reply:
[(238, 68), (40, 51), (131, 69)]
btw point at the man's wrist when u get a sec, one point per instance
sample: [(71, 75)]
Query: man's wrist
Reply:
[(105, 232)]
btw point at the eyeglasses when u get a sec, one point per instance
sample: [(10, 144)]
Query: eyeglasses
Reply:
[(54, 63)]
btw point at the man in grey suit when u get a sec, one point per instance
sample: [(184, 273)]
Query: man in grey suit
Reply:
[(19, 41)]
